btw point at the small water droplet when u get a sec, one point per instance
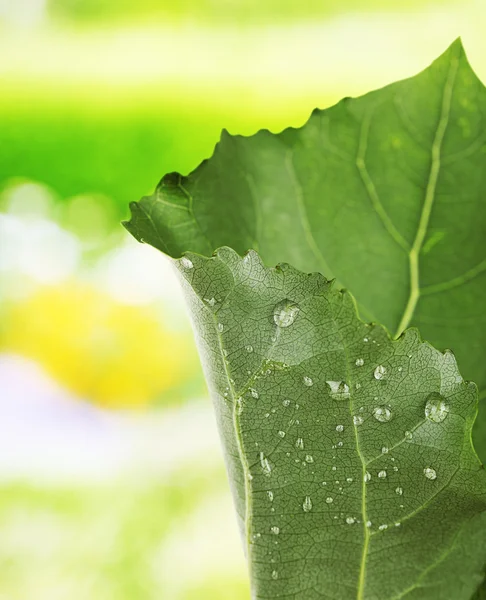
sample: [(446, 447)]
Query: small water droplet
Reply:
[(285, 313), (308, 381), (186, 263), (395, 469), (383, 414), (254, 393), (358, 420), (367, 477), (281, 434), (366, 340), (309, 458), (333, 468), (249, 348), (380, 372), (329, 500), (275, 530), (383, 527), (359, 362), (397, 524), (350, 520), (266, 467), (382, 474), (430, 473), (220, 327), (399, 491), (249, 476), (307, 505), (210, 301), (274, 574), (358, 386), (368, 524), (239, 405), (436, 410), (339, 389), (408, 435), (286, 403), (349, 479), (270, 495), (340, 444), (340, 428), (299, 443), (384, 450)]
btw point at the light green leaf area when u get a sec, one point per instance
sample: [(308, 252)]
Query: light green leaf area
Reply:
[(385, 192), (350, 454)]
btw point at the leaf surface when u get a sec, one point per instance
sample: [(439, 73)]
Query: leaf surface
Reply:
[(348, 482), (385, 192)]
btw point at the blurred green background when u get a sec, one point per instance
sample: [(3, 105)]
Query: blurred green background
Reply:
[(112, 483)]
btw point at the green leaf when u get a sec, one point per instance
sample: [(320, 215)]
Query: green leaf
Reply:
[(350, 454), (384, 192)]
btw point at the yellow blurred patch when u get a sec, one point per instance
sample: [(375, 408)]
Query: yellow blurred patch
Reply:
[(112, 354)]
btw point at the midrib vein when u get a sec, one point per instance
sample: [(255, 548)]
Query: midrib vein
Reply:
[(429, 199)]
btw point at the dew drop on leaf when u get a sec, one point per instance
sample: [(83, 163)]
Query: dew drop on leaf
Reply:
[(220, 327), (382, 474), (286, 403), (275, 530), (430, 473), (284, 313), (186, 263), (382, 414), (359, 362), (358, 420), (329, 500), (270, 495), (307, 505), (281, 434), (266, 467), (436, 410), (380, 372), (383, 527), (339, 389), (274, 574), (254, 393), (384, 450), (367, 477), (408, 435), (308, 381), (340, 428), (399, 491), (249, 348), (350, 520), (309, 458), (299, 443)]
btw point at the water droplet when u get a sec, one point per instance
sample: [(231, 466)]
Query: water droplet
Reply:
[(333, 468), (210, 301), (397, 524), (275, 530), (358, 420), (285, 313), (349, 479), (249, 476), (359, 362), (408, 435), (383, 527), (329, 500), (254, 393), (307, 506), (299, 443), (340, 428), (339, 444), (350, 520), (382, 474), (239, 405), (281, 434), (367, 477), (266, 467), (395, 469), (249, 348), (220, 327), (436, 410), (186, 263), (399, 491), (274, 574), (380, 372), (308, 381), (309, 458), (430, 473), (368, 524), (358, 386), (382, 414), (286, 403), (366, 340), (339, 389), (384, 450), (270, 495)]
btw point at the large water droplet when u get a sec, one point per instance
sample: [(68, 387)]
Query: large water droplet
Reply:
[(285, 313), (339, 389), (358, 420), (266, 467), (380, 372), (350, 520), (383, 414), (430, 473), (186, 262), (436, 410), (382, 474), (308, 381), (307, 505), (329, 500)]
